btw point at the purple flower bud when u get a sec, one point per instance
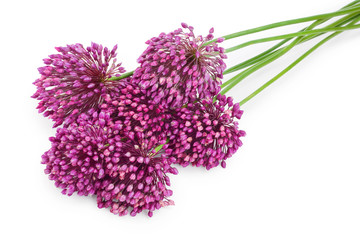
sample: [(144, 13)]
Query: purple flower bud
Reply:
[(184, 25), (220, 40)]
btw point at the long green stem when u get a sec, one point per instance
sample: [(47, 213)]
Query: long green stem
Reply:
[(274, 55), (274, 49), (290, 35), (241, 76), (291, 22), (338, 23), (270, 58), (262, 55), (253, 60), (302, 57)]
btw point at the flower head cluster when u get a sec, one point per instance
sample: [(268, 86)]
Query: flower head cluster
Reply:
[(206, 133), (93, 156), (74, 81), (138, 180), (179, 67), (78, 152)]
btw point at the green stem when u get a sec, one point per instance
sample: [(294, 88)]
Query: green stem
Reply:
[(337, 23), (272, 56), (158, 148), (253, 60), (238, 78), (290, 22), (261, 56), (291, 35), (302, 57), (125, 75)]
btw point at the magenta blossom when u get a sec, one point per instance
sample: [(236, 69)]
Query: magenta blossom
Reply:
[(78, 153), (180, 67), (137, 180), (74, 81), (206, 133)]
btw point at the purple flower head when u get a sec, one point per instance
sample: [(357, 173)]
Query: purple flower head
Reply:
[(74, 81), (135, 112), (205, 133), (78, 152), (137, 180), (179, 67)]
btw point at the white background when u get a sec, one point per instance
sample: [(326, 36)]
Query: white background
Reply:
[(296, 177)]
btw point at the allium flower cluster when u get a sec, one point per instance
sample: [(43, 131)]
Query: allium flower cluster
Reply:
[(78, 153), (121, 139), (138, 180), (74, 81), (179, 67), (93, 156), (205, 133)]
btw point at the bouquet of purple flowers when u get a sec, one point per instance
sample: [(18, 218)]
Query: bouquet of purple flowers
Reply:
[(120, 134)]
